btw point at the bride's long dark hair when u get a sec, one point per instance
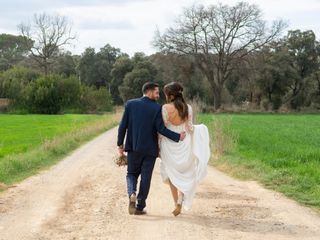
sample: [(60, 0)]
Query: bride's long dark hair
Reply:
[(174, 91)]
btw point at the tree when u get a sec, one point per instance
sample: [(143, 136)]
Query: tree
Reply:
[(87, 72), (180, 68), (50, 34), (241, 84), (304, 51), (95, 68), (105, 59), (315, 95), (274, 73), (120, 68), (218, 37), (66, 64), (142, 72), (12, 50)]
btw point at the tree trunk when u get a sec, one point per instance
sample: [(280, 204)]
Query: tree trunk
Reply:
[(318, 80), (45, 66), (216, 89), (217, 98), (46, 70)]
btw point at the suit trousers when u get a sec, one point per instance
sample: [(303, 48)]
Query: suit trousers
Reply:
[(142, 165)]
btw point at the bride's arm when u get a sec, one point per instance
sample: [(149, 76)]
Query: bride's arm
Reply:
[(189, 123)]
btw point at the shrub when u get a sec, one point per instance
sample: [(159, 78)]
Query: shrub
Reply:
[(51, 94), (70, 91), (13, 82), (43, 96), (31, 92), (94, 100)]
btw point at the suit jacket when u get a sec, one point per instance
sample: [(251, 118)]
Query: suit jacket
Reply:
[(142, 120)]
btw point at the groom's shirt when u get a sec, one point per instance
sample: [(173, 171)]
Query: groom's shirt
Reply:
[(142, 120)]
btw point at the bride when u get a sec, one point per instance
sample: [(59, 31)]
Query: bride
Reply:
[(183, 165)]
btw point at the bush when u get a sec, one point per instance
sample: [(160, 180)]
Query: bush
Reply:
[(13, 82), (264, 104), (315, 100), (70, 91), (4, 103), (31, 92), (43, 96), (276, 102), (94, 100), (51, 94)]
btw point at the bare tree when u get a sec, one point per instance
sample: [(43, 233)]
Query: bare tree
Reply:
[(49, 35), (218, 37)]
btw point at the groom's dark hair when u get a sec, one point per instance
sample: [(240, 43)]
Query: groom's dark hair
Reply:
[(149, 86)]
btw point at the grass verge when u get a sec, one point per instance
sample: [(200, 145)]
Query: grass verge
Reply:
[(16, 167), (280, 151)]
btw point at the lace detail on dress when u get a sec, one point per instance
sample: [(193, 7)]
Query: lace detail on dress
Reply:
[(165, 115), (165, 118)]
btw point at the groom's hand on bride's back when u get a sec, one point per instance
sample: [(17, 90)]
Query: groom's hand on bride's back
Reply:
[(182, 136)]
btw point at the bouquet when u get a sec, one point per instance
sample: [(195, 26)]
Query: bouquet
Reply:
[(121, 160)]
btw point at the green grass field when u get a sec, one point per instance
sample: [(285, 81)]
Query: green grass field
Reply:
[(32, 142), (21, 133), (280, 151)]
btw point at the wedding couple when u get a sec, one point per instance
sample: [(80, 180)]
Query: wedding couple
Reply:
[(167, 132)]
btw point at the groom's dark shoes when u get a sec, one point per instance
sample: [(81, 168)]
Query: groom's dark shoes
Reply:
[(132, 204), (140, 212)]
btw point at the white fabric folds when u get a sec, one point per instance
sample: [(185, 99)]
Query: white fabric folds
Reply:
[(185, 163), (201, 149)]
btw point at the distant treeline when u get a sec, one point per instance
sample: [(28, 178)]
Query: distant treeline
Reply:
[(253, 68)]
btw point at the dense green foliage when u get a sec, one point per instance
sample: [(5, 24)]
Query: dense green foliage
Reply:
[(32, 92)]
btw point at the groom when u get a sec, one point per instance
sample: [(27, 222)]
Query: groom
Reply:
[(141, 121)]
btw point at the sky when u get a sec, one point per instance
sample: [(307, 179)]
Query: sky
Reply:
[(130, 24)]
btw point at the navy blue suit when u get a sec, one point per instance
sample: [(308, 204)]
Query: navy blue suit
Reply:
[(141, 122)]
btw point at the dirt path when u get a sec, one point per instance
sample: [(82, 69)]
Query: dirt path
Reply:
[(84, 197)]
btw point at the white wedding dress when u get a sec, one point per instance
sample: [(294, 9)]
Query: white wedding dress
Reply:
[(184, 163)]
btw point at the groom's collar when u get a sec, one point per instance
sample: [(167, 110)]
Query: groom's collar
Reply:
[(147, 98)]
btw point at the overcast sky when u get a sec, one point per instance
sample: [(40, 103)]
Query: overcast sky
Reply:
[(130, 24)]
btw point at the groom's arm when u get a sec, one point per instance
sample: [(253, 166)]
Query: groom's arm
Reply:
[(123, 126), (161, 128)]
